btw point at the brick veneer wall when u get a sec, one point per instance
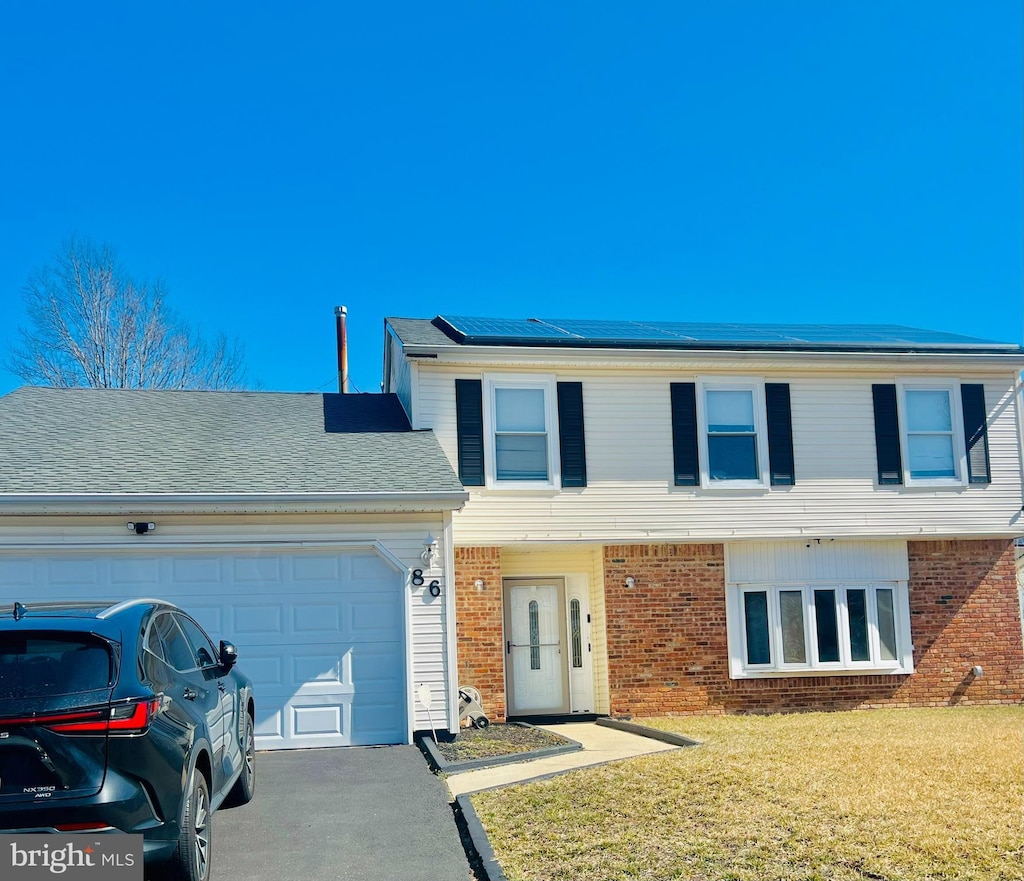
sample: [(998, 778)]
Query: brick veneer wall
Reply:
[(478, 617), (668, 650)]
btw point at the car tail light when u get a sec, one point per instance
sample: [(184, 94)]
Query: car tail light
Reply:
[(130, 718), (82, 827)]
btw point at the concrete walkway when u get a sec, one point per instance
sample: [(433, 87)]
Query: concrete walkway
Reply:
[(600, 745)]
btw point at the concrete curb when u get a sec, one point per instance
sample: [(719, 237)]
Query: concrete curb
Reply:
[(441, 765), (485, 862), (644, 731)]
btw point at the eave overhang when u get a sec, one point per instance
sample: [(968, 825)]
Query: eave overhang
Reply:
[(21, 504), (716, 358)]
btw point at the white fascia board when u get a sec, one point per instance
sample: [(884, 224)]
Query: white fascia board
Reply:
[(711, 359), (229, 503)]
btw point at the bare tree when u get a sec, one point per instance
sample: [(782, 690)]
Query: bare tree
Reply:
[(92, 324)]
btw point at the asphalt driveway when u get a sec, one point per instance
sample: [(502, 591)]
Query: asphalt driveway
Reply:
[(352, 814)]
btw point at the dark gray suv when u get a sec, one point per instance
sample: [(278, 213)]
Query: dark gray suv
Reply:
[(122, 718)]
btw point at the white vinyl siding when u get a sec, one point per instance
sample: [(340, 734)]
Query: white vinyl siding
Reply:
[(400, 378), (630, 495)]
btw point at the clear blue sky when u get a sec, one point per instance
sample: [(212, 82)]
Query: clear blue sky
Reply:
[(710, 161)]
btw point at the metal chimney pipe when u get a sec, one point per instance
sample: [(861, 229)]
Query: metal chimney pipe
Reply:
[(340, 316)]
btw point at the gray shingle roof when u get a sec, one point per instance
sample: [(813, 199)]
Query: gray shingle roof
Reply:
[(100, 441), (420, 332)]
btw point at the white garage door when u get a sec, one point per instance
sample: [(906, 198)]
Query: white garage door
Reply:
[(320, 632)]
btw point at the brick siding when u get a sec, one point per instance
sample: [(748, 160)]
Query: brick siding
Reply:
[(478, 616), (668, 649)]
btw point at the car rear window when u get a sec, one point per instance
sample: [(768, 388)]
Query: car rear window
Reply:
[(45, 665)]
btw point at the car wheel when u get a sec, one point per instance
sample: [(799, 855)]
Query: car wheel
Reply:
[(245, 786), (191, 861)]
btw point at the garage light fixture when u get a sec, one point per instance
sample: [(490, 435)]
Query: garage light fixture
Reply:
[(430, 554), (140, 527)]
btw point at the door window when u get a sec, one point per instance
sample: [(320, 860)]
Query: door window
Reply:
[(202, 647)]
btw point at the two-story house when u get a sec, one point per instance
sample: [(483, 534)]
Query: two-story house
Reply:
[(693, 518)]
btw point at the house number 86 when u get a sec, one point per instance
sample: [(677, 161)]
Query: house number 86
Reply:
[(434, 587)]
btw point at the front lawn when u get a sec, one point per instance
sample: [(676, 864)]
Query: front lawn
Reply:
[(887, 795)]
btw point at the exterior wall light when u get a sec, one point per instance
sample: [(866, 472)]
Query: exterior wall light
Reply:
[(430, 553), (630, 581)]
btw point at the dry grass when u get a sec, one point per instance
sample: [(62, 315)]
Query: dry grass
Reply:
[(900, 795)]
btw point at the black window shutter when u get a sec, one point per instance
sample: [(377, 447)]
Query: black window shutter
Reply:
[(887, 434), (972, 396), (780, 433), (571, 440), (469, 420), (684, 433)]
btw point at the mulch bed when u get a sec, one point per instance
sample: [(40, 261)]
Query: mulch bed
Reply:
[(497, 740)]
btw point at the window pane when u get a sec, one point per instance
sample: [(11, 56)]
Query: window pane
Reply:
[(176, 647), (205, 653), (791, 603), (929, 411), (519, 409), (886, 624), (534, 612), (857, 607), (730, 411), (521, 457), (931, 455), (38, 665), (577, 633), (755, 615), (828, 629), (732, 457)]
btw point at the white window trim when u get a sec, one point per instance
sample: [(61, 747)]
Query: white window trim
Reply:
[(957, 418), (739, 669), (548, 385), (755, 385)]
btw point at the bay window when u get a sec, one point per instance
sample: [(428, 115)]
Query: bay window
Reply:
[(825, 628)]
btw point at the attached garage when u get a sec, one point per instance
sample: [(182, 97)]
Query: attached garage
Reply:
[(326, 594)]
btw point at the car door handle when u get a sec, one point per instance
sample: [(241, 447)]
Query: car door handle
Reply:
[(189, 694)]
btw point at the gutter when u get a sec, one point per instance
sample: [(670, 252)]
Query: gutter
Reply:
[(613, 357), (113, 503)]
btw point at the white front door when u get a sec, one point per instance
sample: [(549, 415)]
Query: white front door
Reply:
[(535, 647)]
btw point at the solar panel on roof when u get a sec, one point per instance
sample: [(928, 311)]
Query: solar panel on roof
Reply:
[(675, 334)]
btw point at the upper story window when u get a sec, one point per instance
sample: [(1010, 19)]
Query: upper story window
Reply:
[(520, 434), (521, 431), (733, 435), (931, 433), (932, 451)]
